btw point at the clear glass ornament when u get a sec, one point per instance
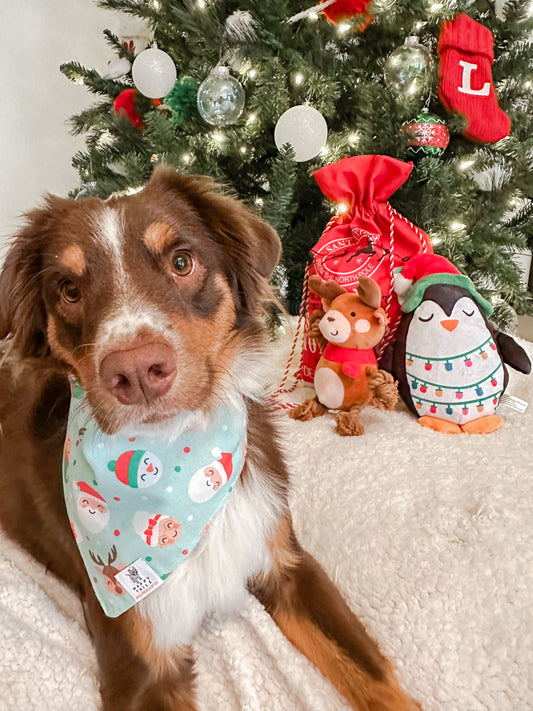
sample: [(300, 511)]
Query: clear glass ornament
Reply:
[(154, 73), (408, 69), (304, 129), (220, 98)]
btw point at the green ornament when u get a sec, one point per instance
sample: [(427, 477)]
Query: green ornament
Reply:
[(427, 134), (182, 99)]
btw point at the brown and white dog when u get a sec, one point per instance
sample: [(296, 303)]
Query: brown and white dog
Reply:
[(154, 302)]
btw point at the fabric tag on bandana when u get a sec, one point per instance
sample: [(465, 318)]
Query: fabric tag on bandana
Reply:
[(139, 503), (138, 579)]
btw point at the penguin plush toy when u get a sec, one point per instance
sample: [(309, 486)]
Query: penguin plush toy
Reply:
[(448, 358)]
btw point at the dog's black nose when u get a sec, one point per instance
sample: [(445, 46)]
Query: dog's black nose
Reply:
[(139, 375)]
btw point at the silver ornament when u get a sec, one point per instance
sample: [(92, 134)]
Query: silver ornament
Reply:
[(408, 69), (220, 98)]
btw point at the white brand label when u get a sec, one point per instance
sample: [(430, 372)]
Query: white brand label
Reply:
[(139, 579), (513, 402)]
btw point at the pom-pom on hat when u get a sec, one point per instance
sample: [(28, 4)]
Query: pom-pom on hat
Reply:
[(126, 467), (412, 280)]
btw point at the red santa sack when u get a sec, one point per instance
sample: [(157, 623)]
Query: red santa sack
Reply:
[(370, 238)]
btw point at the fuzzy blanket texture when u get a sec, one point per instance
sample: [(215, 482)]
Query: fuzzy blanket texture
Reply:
[(429, 537)]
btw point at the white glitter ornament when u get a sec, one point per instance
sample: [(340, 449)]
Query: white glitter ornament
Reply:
[(304, 129), (154, 73), (220, 98)]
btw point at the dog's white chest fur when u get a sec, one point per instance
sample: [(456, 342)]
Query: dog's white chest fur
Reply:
[(214, 578)]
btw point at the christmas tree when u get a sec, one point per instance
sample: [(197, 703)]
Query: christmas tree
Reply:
[(346, 60)]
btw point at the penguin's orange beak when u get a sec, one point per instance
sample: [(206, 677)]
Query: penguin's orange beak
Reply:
[(450, 324)]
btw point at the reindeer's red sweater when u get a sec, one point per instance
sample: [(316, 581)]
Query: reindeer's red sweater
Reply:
[(351, 359)]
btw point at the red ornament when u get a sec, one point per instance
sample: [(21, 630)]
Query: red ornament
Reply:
[(426, 134), (344, 9), (125, 107)]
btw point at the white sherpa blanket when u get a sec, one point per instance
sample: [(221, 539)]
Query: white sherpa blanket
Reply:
[(429, 537)]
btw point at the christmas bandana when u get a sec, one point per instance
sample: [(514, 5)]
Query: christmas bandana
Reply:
[(137, 504)]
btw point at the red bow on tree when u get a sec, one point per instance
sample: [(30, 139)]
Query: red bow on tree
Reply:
[(343, 9)]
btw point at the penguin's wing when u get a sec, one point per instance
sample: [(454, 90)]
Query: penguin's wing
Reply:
[(387, 359), (512, 353)]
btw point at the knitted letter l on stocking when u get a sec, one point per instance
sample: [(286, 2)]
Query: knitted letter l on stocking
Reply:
[(465, 79)]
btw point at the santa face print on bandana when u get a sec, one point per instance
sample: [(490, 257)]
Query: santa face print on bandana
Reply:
[(157, 529), (139, 503), (93, 512), (205, 482)]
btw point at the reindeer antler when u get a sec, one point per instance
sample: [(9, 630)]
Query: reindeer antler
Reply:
[(325, 289), (111, 558), (369, 292), (96, 559)]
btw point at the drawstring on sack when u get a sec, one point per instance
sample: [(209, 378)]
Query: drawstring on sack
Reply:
[(390, 333)]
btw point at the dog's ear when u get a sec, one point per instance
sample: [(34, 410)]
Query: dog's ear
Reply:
[(22, 313), (252, 247)]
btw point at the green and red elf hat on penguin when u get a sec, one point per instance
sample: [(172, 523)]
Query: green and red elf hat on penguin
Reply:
[(412, 280), (137, 468)]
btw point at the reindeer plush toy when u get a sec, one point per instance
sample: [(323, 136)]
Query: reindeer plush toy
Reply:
[(347, 377)]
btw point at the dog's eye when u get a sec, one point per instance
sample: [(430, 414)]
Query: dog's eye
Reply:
[(69, 291), (182, 264), (352, 314)]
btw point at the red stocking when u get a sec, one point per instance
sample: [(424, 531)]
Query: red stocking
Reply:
[(465, 79)]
